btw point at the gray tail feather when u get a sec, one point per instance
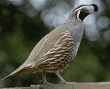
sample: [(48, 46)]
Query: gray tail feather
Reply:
[(14, 72), (6, 77)]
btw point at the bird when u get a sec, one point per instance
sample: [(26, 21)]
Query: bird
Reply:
[(56, 50)]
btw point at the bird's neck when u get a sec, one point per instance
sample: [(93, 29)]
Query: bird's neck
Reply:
[(72, 21)]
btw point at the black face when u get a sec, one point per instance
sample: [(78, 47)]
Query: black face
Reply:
[(83, 13)]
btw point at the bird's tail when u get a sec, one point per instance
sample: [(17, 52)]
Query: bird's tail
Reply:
[(17, 71)]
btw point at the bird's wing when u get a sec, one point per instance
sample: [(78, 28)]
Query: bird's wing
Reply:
[(61, 53), (57, 45), (43, 46)]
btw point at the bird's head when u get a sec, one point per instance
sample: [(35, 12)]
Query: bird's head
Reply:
[(82, 11)]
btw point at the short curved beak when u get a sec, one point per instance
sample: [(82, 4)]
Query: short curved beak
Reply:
[(88, 12)]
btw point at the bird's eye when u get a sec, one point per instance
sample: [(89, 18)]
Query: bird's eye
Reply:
[(82, 10)]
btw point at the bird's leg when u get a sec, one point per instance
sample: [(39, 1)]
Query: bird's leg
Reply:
[(62, 80), (44, 79)]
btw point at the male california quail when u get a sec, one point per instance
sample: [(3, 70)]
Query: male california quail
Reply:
[(55, 51)]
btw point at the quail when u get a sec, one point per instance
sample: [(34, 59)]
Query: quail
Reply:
[(55, 51)]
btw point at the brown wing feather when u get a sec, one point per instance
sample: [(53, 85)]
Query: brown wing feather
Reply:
[(58, 57)]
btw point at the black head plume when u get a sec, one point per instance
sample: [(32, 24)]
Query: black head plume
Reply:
[(95, 7)]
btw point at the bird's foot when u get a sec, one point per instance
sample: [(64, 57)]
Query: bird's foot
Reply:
[(47, 83), (64, 82)]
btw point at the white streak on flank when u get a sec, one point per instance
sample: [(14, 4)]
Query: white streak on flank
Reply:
[(69, 36), (64, 42), (59, 40), (41, 47), (61, 51), (44, 61), (64, 48), (48, 52), (29, 65), (52, 52), (66, 53), (52, 62), (51, 49), (71, 42), (59, 59), (63, 33), (49, 59), (66, 31), (66, 39), (57, 48), (59, 45), (57, 55)]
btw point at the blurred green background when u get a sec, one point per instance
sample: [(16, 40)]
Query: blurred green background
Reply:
[(24, 22)]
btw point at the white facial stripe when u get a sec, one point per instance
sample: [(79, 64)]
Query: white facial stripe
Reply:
[(80, 8), (78, 15)]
